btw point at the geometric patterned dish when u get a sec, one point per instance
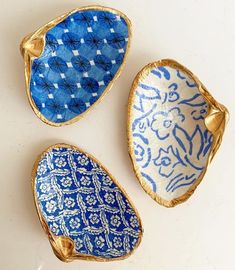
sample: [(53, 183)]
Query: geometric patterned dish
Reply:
[(174, 130), (72, 61), (82, 208)]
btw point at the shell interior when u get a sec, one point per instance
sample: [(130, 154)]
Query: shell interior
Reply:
[(78, 200), (169, 142), (81, 56)]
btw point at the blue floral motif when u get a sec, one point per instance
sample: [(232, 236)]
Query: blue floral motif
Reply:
[(108, 19), (81, 56), (163, 122), (94, 41), (108, 78), (89, 84), (143, 125), (71, 41), (57, 64), (141, 150), (51, 42), (84, 18), (103, 62), (173, 95), (77, 105), (81, 64), (199, 113), (167, 160), (67, 85), (116, 40), (171, 142), (55, 107), (44, 85), (78, 199), (38, 67)]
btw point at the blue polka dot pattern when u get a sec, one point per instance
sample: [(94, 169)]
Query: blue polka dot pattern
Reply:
[(81, 56)]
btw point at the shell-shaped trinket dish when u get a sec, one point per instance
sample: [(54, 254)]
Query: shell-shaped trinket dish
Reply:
[(72, 61), (82, 208), (174, 130)]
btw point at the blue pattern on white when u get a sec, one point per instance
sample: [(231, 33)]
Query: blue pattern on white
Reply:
[(78, 199), (82, 54), (171, 141)]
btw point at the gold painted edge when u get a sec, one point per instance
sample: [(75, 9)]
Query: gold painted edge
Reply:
[(51, 236), (39, 36), (215, 122)]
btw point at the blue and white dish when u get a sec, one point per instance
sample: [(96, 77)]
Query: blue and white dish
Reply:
[(71, 62), (82, 208), (174, 129)]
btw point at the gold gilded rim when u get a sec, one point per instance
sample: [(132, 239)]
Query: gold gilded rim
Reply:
[(32, 46), (63, 247), (215, 122)]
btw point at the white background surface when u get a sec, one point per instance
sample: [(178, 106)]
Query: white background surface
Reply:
[(197, 235)]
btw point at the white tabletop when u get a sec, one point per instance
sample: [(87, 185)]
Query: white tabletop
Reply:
[(197, 235)]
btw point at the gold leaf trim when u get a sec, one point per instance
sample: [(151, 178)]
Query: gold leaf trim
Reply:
[(62, 246), (32, 47), (215, 122)]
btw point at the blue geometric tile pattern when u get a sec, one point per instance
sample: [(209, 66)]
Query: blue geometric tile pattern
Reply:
[(82, 54), (170, 141), (78, 199)]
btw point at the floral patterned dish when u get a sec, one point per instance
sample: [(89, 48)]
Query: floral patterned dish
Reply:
[(71, 62), (82, 208), (174, 129)]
